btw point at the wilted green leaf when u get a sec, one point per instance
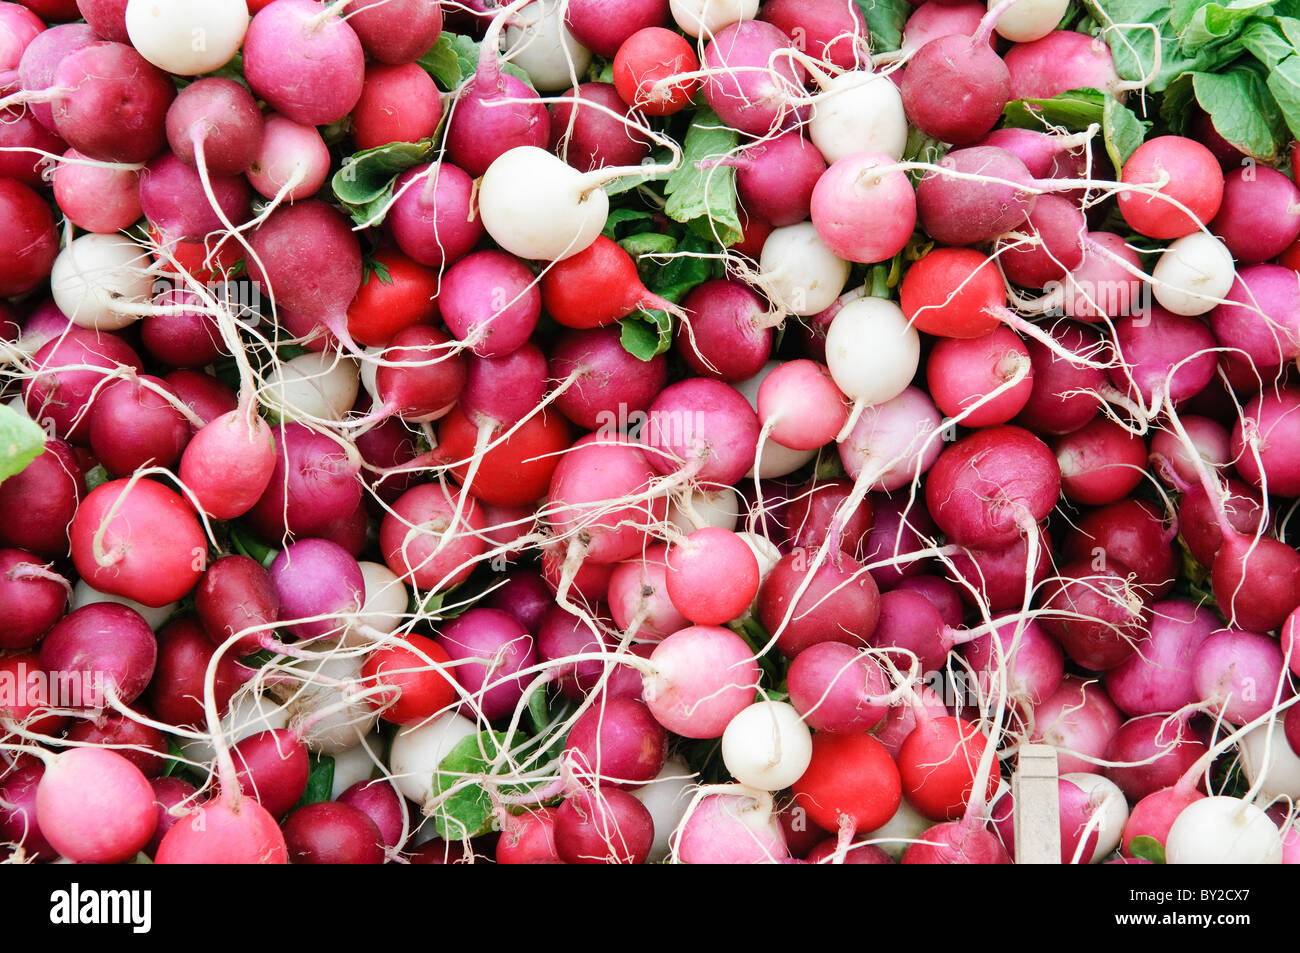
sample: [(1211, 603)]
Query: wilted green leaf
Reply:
[(646, 336)]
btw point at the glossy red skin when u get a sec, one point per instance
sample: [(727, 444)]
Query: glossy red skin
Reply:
[(1197, 524), (175, 695), (826, 29), (206, 396), (119, 110), (850, 776), (314, 485), (1155, 814), (382, 307), (187, 339), (421, 690), (431, 504), (647, 56), (984, 488), (1101, 462), (517, 470), (63, 396), (440, 227), (382, 804), (1133, 532), (273, 767), (421, 375), (114, 729), (693, 568), (240, 447), (999, 575), (609, 380), (606, 826), (160, 545), (591, 138), (23, 130), (1158, 677), (946, 293), (217, 833), (398, 104), (329, 832), (1116, 613), (1140, 739), (724, 340), (1256, 583), (529, 838), (226, 117), (1195, 180), (106, 638), (31, 603), (619, 741), (595, 287), (831, 609), (25, 673), (1078, 716), (132, 426), (388, 444), (959, 844), (1059, 401), (962, 373), (832, 686), (938, 764), (396, 31), (811, 517), (958, 93)]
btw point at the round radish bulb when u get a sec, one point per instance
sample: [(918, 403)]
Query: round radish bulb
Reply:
[(328, 832), (1193, 275), (955, 88), (315, 577), (221, 115), (749, 82), (1098, 613), (1174, 171), (955, 210), (1104, 802), (1264, 441), (1268, 759), (798, 272), (580, 505), (534, 205), (963, 373), (1028, 20), (528, 838), (1223, 830), (1158, 677), (767, 746), (94, 806), (185, 37), (1165, 738), (703, 677), (704, 428), (774, 460), (115, 107), (292, 159), (1101, 462), (836, 688), (604, 826), (106, 644), (487, 647), (617, 743), (893, 442), (97, 279), (638, 591), (801, 406), (730, 829), (858, 111), (33, 596), (215, 832), (304, 61), (541, 45), (871, 351), (588, 137), (851, 783), (839, 604), (1237, 674), (707, 17), (410, 537), (395, 31), (694, 567), (1079, 721), (938, 764), (97, 198)]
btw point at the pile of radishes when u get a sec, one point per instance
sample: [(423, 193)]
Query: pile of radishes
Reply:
[(368, 528)]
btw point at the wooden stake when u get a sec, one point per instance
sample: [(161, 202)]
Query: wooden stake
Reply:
[(1037, 806)]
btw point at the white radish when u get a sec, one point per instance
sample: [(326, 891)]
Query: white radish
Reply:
[(799, 274), (542, 46), (354, 765), (417, 752), (697, 508), (767, 746), (1223, 830), (1028, 20), (897, 833), (536, 206), (83, 595), (871, 350), (1109, 811), (667, 798), (1281, 773), (315, 384), (383, 606), (249, 713), (1193, 274), (858, 111), (344, 725), (97, 278), (706, 17), (187, 37)]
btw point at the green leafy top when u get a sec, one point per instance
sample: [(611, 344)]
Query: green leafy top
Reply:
[(21, 440), (704, 198)]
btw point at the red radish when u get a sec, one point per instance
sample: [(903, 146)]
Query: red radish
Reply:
[(314, 483), (1060, 61), (115, 102), (956, 87), (607, 379), (617, 743), (1167, 739), (516, 471), (645, 59), (948, 293), (825, 29), (25, 669), (1173, 461), (528, 838), (814, 515), (603, 26), (1098, 613), (19, 783), (591, 138), (703, 676), (434, 218), (1032, 662), (852, 783), (139, 540), (490, 300), (169, 794), (1062, 397), (176, 692), (107, 647), (938, 764), (397, 104), (1155, 814), (1134, 533), (1264, 442), (395, 31), (487, 647), (380, 802), (837, 602), (837, 689), (751, 85), (963, 373), (224, 831), (409, 668), (1158, 676), (603, 826), (220, 118), (420, 521), (292, 163), (694, 567), (236, 594), (997, 575), (273, 768), (133, 425), (1180, 170), (956, 842), (28, 246), (38, 503), (638, 592), (329, 832), (860, 214), (94, 806), (422, 375), (1100, 462), (1055, 247), (34, 598), (238, 446), (595, 287), (143, 745), (98, 198), (958, 211)]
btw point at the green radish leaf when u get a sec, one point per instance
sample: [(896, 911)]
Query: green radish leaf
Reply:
[(624, 216), (365, 181), (320, 780), (705, 199), (682, 274), (1240, 107), (647, 243), (1147, 848), (21, 441), (451, 59), (244, 543), (97, 476), (1134, 28), (1122, 131), (467, 810), (885, 20), (1284, 83), (646, 337), (1210, 23), (1074, 110)]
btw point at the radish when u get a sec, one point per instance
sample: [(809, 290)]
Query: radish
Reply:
[(314, 484), (98, 198), (617, 743), (777, 179), (68, 369), (41, 58), (1223, 830), (101, 282), (1101, 808), (603, 826), (997, 575), (1062, 399), (723, 333), (862, 215), (956, 211), (94, 806), (1027, 20), (601, 134), (707, 17), (397, 104), (315, 578), (773, 460), (428, 539), (224, 830), (798, 273), (935, 18), (487, 647), (418, 750), (1181, 171), (541, 45), (34, 595), (701, 677), (304, 61), (1101, 462), (965, 374), (851, 784), (1060, 61), (1194, 274), (292, 162), (692, 571), (234, 595), (938, 764), (645, 66), (767, 746), (332, 833), (313, 386), (638, 597), (1054, 248), (749, 81), (802, 606), (858, 111), (1259, 317), (1078, 719), (184, 37), (595, 287), (1263, 438), (871, 352), (433, 217), (133, 424), (29, 246), (1151, 753), (1099, 615), (730, 829), (273, 769), (786, 417), (1237, 674), (106, 643), (703, 427), (113, 103), (830, 31), (395, 31)]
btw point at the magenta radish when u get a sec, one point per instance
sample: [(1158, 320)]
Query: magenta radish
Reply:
[(1053, 247), (224, 830), (603, 826), (1097, 611), (491, 301), (602, 26), (287, 249), (618, 743), (41, 57), (494, 113), (273, 767), (220, 117), (703, 676), (1237, 674), (98, 198), (829, 30), (592, 138), (955, 87), (1155, 814), (1060, 61), (313, 484), (893, 442), (428, 539), (723, 334), (749, 82), (638, 593), (34, 597), (94, 806), (730, 829), (1259, 215), (1134, 533), (29, 246), (433, 217), (1062, 399), (562, 635), (1166, 356), (19, 783), (1033, 663), (963, 373), (703, 427), (421, 375), (898, 529), (1260, 316), (236, 594), (329, 832), (943, 595), (957, 211), (595, 472), (38, 503), (240, 448), (382, 804), (488, 647), (800, 407), (836, 688), (134, 425), (693, 567), (1101, 462), (292, 162), (776, 180), (1167, 739), (1173, 461), (814, 515), (395, 31), (107, 648), (304, 61), (1264, 442), (997, 575), (316, 578), (1158, 677), (850, 195), (1078, 719), (113, 103), (800, 606), (956, 842)]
